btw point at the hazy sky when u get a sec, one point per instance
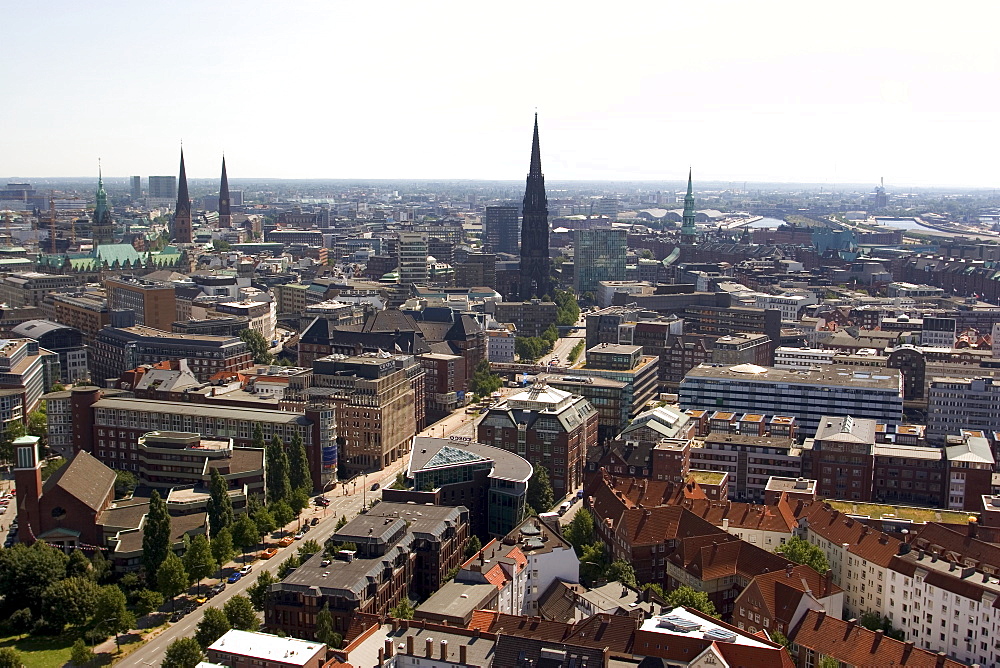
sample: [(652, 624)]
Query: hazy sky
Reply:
[(752, 90)]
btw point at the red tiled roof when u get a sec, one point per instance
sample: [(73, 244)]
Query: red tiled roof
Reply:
[(944, 539), (779, 592), (868, 543), (483, 619), (851, 643)]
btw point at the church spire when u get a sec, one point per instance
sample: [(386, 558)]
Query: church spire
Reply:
[(102, 195), (689, 232), (534, 228), (182, 213), (225, 216)]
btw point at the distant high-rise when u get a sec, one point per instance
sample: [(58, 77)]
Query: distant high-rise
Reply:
[(163, 187), (599, 255), (413, 250), (535, 228), (182, 214), (103, 229), (500, 227), (689, 232), (225, 217), (136, 182)]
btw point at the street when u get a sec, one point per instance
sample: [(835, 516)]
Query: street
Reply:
[(151, 654), (564, 345)]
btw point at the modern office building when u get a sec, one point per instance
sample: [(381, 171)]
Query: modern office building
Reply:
[(28, 288), (807, 395), (530, 318), (65, 341), (413, 249), (154, 303), (163, 187), (954, 404), (136, 187), (502, 229), (549, 428), (599, 255)]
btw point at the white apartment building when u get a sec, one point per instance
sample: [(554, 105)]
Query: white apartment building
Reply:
[(801, 358), (500, 345), (749, 460), (954, 404), (550, 558), (789, 305), (807, 395)]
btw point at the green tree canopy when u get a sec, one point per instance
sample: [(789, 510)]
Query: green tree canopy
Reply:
[(240, 613), (324, 626), (404, 610), (220, 506), (299, 475), (530, 348), (623, 572), (147, 601), (277, 471), (102, 570), (69, 601), (690, 598), (298, 501), (540, 496), (81, 654), (288, 565), (211, 627), (78, 565), (258, 591), (258, 437), (183, 653), (567, 309), (125, 482), (593, 562), (258, 345), (282, 513), (156, 534), (484, 382), (265, 522), (198, 560), (472, 546), (25, 572), (171, 578), (804, 552), (245, 534), (222, 547), (10, 658), (308, 548), (580, 530), (550, 335), (111, 612)]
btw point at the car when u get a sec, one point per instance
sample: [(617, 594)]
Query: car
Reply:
[(219, 588), (201, 600), (324, 563), (246, 570), (314, 521), (306, 527), (235, 577), (286, 541), (374, 486), (299, 536), (177, 616), (322, 501), (268, 553)]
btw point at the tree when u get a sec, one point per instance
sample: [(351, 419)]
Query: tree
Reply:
[(324, 625), (51, 466), (258, 346), (78, 565), (688, 597), (81, 654), (211, 627), (580, 531), (308, 548), (282, 514), (171, 579), (336, 640), (14, 431), (484, 382), (156, 534), (592, 562), (298, 501), (655, 588), (472, 546), (258, 437), (873, 621), (265, 523), (258, 591), (828, 662), (780, 638), (102, 569), (530, 348), (69, 601), (10, 658), (341, 523), (111, 612), (576, 351), (245, 533), (567, 309), (182, 653), (550, 335), (222, 547), (804, 552), (299, 475), (623, 572), (125, 482), (404, 610), (540, 496), (288, 565), (198, 560), (25, 572), (220, 506), (240, 613), (277, 466), (147, 601)]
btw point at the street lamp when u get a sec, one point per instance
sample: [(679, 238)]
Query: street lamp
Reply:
[(118, 647)]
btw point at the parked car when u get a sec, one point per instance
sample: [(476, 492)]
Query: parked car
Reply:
[(322, 501), (299, 535), (286, 541), (219, 588), (374, 486), (235, 577), (246, 570), (268, 553), (314, 521), (201, 600)]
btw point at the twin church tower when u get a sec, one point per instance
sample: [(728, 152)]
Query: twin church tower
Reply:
[(181, 232)]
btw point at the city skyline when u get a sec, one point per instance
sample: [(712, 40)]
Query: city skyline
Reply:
[(782, 95)]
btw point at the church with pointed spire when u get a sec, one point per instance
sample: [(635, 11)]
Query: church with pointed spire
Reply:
[(535, 262), (689, 232), (181, 232), (102, 230), (225, 214)]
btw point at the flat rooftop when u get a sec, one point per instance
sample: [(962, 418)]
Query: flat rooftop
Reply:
[(430, 453), (875, 378), (211, 411), (911, 513), (686, 624), (264, 646)]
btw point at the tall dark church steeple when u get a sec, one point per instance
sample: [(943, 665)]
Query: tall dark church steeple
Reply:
[(182, 214), (225, 217), (535, 229), (103, 229)]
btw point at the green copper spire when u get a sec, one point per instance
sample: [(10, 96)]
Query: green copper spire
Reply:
[(689, 232), (102, 196)]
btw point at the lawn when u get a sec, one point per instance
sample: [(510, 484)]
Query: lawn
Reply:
[(41, 652)]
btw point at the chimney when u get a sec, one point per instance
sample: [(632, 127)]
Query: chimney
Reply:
[(879, 634), (475, 632), (851, 623), (444, 650), (388, 648), (381, 656), (788, 570), (429, 647), (940, 659), (973, 526), (409, 645), (462, 654)]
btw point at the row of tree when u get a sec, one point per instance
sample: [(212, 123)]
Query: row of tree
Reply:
[(530, 348)]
